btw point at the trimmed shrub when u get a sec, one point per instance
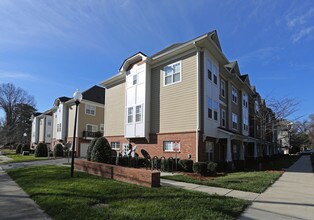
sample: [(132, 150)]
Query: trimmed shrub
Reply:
[(90, 149), (186, 165), (211, 167), (58, 150), (101, 151), (200, 167), (25, 147), (18, 149), (41, 150)]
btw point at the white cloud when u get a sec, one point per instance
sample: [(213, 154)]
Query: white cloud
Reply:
[(300, 19), (8, 75), (301, 34)]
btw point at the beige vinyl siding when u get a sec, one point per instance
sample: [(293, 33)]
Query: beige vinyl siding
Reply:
[(114, 108), (54, 127), (174, 107), (90, 119)]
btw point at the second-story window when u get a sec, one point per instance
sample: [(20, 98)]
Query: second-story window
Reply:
[(223, 118), (234, 121), (130, 114), (215, 110), (245, 124), (138, 113), (209, 108), (90, 109), (215, 72), (91, 128), (234, 95), (222, 88), (209, 69), (58, 127), (49, 122), (172, 73)]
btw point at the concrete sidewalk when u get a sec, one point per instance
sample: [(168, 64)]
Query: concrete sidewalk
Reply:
[(290, 197), (211, 190), (15, 203)]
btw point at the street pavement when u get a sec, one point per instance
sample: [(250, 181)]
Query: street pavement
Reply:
[(290, 197)]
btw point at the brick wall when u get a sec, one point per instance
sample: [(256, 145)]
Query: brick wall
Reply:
[(155, 146), (141, 177)]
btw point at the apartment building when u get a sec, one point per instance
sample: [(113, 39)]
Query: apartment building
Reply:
[(45, 128), (90, 119), (187, 99)]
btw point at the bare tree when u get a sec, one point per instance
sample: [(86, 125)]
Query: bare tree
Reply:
[(13, 100)]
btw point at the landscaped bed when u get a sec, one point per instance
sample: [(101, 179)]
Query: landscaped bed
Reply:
[(90, 197), (244, 181), (257, 181), (19, 157)]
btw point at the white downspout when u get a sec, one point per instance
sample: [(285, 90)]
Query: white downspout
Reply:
[(198, 102)]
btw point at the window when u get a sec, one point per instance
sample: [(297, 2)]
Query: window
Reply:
[(235, 152), (172, 73), (215, 110), (49, 122), (101, 127), (209, 108), (91, 128), (58, 127), (115, 145), (138, 113), (234, 95), (209, 69), (245, 124), (48, 135), (90, 109), (130, 114), (234, 121), (215, 72), (209, 151), (171, 145), (223, 118), (40, 122), (245, 102), (256, 107), (222, 88), (135, 79)]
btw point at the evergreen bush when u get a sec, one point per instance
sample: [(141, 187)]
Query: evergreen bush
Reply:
[(186, 165), (101, 151), (41, 150), (90, 148), (211, 167), (18, 149), (200, 167), (58, 150), (25, 147)]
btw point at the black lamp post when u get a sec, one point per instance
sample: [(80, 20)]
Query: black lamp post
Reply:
[(77, 96)]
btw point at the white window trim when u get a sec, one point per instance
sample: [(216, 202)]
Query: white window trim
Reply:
[(89, 109), (235, 116), (92, 126), (224, 88), (136, 114), (127, 115), (217, 74), (235, 94), (115, 148), (171, 150), (164, 74), (223, 118)]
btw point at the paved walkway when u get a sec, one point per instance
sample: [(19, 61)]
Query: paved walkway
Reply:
[(15, 204), (211, 190), (290, 197)]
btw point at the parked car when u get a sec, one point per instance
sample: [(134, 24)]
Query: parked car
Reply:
[(307, 152)]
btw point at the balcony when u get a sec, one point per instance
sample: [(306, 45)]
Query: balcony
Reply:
[(88, 135)]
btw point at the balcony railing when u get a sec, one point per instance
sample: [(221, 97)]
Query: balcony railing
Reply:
[(91, 135)]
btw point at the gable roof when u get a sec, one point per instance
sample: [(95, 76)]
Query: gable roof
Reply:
[(95, 94), (233, 67)]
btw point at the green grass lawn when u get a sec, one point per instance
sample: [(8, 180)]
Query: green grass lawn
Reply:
[(91, 197), (19, 157), (244, 181)]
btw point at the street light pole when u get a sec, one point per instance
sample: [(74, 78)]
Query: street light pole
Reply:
[(77, 98)]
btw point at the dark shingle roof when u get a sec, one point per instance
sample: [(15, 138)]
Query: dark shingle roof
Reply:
[(36, 114), (95, 94), (64, 99), (243, 77)]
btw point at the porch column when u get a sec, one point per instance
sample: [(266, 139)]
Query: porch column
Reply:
[(255, 150), (228, 155), (241, 157)]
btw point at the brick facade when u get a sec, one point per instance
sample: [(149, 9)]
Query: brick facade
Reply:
[(155, 146)]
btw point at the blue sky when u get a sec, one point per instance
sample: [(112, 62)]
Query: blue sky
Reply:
[(50, 48)]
